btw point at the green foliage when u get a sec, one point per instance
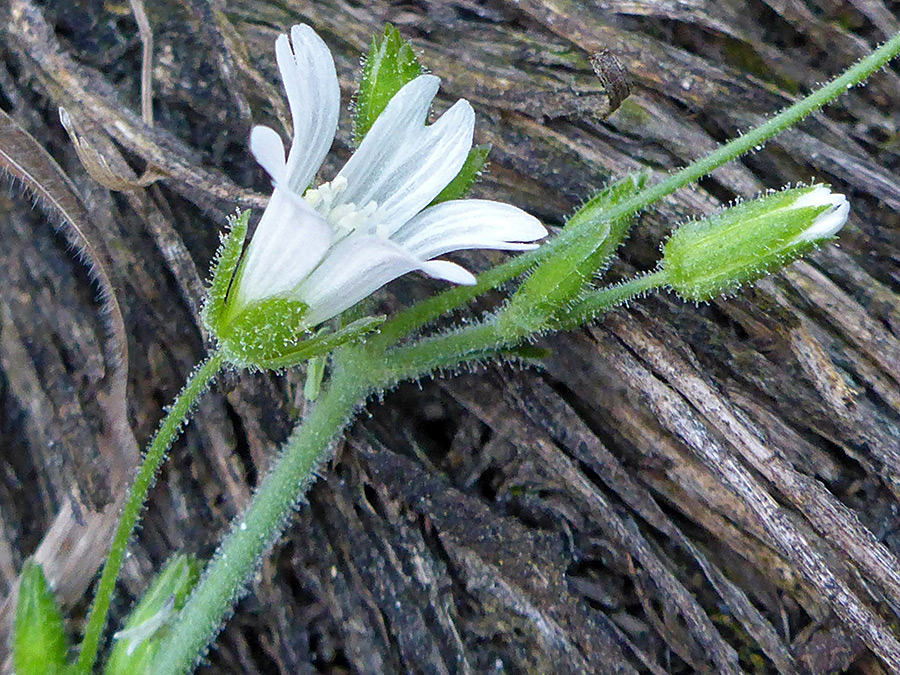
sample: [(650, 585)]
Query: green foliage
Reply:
[(139, 641), (40, 645), (715, 256), (322, 344), (561, 278), (390, 64), (226, 262), (471, 170)]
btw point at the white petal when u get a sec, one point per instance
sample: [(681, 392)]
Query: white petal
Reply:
[(357, 267), (402, 164), (289, 242), (467, 224), (828, 223), (818, 196), (314, 95), (268, 149), (448, 271)]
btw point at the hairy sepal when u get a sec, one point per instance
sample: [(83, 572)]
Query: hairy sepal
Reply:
[(459, 187), (321, 345), (223, 268), (708, 258)]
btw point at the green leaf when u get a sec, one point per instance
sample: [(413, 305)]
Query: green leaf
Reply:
[(390, 64), (40, 645), (471, 170), (561, 279), (139, 640), (224, 265), (323, 344)]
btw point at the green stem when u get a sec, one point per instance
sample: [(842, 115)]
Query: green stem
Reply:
[(259, 526), (602, 300), (414, 317), (168, 430)]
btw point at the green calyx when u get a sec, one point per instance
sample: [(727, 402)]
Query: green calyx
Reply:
[(262, 331), (271, 333), (712, 257), (223, 268)]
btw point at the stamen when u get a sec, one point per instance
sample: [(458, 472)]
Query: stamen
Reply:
[(344, 218)]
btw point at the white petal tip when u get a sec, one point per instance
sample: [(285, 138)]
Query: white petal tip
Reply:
[(448, 271), (830, 221), (268, 149)]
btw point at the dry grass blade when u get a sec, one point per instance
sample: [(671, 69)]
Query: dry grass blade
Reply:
[(140, 16), (97, 166), (28, 162)]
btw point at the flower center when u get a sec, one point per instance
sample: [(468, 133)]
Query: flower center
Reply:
[(346, 217)]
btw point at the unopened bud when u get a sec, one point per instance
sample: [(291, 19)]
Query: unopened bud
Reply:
[(707, 258)]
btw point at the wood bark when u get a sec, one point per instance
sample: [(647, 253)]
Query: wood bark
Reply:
[(674, 489)]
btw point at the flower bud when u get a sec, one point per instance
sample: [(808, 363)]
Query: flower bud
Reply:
[(707, 258)]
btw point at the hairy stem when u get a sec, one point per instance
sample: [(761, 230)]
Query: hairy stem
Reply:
[(254, 533), (359, 372), (168, 431)]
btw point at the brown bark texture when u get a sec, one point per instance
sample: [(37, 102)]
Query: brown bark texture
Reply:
[(674, 489)]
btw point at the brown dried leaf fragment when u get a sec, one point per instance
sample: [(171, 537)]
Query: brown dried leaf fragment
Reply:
[(613, 77), (97, 166)]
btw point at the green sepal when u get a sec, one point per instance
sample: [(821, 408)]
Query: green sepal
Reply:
[(323, 344), (224, 264), (709, 258), (262, 331), (468, 174), (40, 645), (563, 277), (390, 64), (137, 643)]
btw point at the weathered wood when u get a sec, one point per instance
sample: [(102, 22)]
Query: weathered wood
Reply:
[(678, 489)]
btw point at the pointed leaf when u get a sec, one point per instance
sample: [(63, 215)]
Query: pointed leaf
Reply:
[(139, 640), (560, 279), (471, 170), (390, 64), (40, 644)]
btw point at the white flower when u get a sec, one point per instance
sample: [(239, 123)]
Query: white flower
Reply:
[(334, 245)]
